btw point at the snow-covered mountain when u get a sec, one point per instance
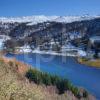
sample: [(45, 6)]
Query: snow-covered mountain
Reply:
[(50, 32), (42, 18)]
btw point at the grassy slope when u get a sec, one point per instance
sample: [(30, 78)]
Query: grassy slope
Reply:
[(14, 85), (93, 63)]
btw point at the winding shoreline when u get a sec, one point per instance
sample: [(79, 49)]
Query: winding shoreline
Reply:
[(91, 63), (78, 58)]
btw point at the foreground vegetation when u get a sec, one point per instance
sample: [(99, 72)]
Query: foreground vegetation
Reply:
[(88, 62), (61, 84), (15, 86)]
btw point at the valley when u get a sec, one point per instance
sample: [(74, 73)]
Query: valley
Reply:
[(66, 46)]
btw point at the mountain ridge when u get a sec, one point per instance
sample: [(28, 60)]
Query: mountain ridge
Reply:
[(42, 18)]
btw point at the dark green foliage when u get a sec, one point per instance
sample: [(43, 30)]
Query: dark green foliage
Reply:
[(96, 55), (62, 86), (47, 79), (54, 80), (85, 94), (75, 90), (32, 75)]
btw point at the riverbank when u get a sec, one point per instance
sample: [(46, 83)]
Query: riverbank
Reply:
[(17, 87), (46, 52), (19, 69), (79, 74), (92, 62), (54, 53)]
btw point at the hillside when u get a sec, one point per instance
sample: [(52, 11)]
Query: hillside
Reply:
[(14, 85), (55, 33)]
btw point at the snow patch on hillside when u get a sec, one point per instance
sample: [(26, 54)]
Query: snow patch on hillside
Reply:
[(3, 38)]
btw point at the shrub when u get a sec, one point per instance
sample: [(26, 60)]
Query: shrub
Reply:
[(75, 90), (47, 79), (54, 80), (31, 75), (85, 94), (11, 63), (61, 87)]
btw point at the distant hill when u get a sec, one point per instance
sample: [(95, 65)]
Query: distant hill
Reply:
[(46, 28), (42, 31)]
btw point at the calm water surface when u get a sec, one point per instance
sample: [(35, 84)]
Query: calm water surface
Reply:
[(67, 67)]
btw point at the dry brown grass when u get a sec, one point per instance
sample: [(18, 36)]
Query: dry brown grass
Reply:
[(14, 85), (92, 63)]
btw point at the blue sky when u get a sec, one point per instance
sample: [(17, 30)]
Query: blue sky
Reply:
[(49, 7)]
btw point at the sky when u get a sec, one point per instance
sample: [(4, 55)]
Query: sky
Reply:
[(15, 8)]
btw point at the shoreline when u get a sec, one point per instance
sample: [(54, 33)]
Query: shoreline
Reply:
[(23, 67), (51, 53), (54, 53), (90, 63), (29, 66), (47, 52)]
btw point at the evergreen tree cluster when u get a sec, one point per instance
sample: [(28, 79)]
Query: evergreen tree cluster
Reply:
[(62, 84)]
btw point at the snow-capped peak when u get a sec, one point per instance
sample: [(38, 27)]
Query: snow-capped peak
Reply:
[(34, 19), (42, 18), (69, 19)]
